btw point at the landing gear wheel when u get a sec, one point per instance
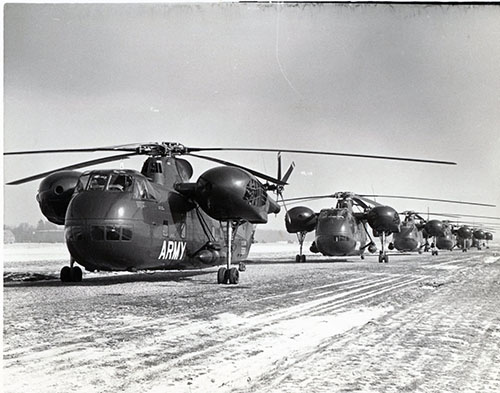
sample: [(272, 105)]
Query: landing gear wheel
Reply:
[(302, 258), (234, 276), (222, 276), (386, 258), (65, 274), (76, 274), (362, 256), (380, 258), (297, 258)]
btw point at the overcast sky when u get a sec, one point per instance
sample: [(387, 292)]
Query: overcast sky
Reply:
[(406, 80)]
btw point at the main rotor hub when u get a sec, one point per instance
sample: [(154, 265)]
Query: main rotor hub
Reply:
[(163, 149)]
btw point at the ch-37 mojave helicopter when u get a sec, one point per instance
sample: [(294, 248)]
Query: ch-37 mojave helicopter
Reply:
[(471, 234), (125, 220), (341, 231), (444, 233), (415, 230)]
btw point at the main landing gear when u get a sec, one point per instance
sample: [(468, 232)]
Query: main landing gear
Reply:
[(301, 236), (228, 274), (383, 257), (71, 273)]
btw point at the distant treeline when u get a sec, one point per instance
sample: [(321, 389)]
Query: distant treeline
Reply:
[(44, 231), (47, 232), (272, 236)]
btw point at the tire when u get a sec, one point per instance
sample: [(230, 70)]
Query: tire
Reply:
[(65, 274), (386, 258), (302, 258), (380, 258), (234, 276), (222, 276), (362, 256), (297, 258), (76, 274)]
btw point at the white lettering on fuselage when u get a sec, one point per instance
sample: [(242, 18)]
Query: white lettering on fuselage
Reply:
[(172, 250)]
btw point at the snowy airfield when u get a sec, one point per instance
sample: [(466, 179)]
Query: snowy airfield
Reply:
[(417, 324)]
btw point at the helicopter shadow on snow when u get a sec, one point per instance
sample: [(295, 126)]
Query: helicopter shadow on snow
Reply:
[(280, 261), (47, 280)]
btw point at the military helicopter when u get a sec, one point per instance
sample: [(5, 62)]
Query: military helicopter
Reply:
[(471, 236), (466, 236), (341, 231), (415, 230), (125, 220)]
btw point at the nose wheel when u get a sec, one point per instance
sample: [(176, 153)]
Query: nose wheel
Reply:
[(71, 273)]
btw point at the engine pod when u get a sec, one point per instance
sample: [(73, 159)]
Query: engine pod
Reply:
[(229, 193), (434, 228), (300, 219), (464, 232), (384, 219), (55, 193)]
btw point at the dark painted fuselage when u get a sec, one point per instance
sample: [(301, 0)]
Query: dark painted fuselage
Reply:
[(141, 224), (339, 233), (410, 238), (447, 240)]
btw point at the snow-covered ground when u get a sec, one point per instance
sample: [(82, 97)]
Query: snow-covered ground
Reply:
[(417, 324)]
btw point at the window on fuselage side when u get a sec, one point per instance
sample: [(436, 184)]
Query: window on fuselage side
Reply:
[(165, 228), (143, 190)]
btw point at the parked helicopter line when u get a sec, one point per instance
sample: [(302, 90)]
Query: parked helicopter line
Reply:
[(125, 220), (342, 231), (447, 234)]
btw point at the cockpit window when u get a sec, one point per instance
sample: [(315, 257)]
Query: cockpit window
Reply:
[(120, 182), (82, 183), (97, 182), (143, 190)]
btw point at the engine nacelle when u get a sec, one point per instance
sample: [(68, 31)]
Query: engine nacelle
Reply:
[(228, 193), (300, 219), (55, 193), (488, 236), (479, 234), (464, 232), (434, 228), (384, 219)]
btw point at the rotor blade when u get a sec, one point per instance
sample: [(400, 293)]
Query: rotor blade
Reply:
[(327, 153), (131, 148), (365, 200), (253, 172), (288, 172), (458, 215), (428, 199), (308, 198), (69, 167)]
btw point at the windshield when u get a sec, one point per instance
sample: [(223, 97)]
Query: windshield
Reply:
[(116, 182)]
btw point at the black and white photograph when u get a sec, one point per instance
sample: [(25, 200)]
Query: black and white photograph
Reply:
[(251, 196)]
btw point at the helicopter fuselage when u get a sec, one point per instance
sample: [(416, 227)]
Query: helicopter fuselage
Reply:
[(119, 220), (339, 233), (410, 238)]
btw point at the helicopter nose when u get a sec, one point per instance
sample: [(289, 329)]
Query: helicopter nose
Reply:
[(334, 237), (335, 244), (100, 205)]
